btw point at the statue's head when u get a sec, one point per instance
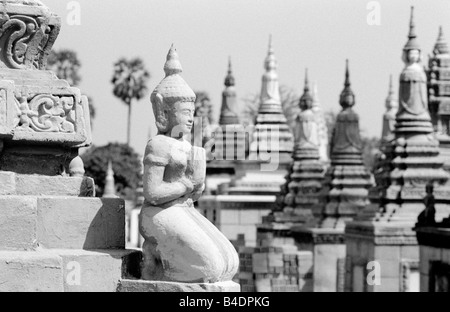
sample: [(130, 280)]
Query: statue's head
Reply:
[(412, 51), (412, 56), (173, 100)]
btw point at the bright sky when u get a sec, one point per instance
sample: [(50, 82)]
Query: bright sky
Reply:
[(318, 34)]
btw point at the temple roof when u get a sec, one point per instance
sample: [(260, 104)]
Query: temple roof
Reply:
[(441, 46), (306, 101), (412, 43), (229, 80)]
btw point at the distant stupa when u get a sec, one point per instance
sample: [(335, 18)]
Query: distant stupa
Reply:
[(271, 134), (110, 187), (439, 95)]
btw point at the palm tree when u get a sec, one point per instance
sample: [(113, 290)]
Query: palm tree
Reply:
[(66, 65), (130, 83)]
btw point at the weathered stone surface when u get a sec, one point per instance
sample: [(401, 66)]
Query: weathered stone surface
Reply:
[(150, 286), (180, 244), (80, 223), (7, 183), (35, 185), (35, 106), (61, 222), (96, 271), (67, 270), (30, 272), (326, 265), (18, 223)]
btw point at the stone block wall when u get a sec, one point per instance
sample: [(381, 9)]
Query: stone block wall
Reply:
[(275, 269)]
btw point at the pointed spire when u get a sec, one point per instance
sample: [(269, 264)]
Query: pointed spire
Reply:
[(173, 65), (306, 101), (306, 89), (347, 74), (315, 95), (391, 101), (412, 26), (270, 62), (227, 115), (110, 188), (441, 46), (412, 43), (347, 95), (229, 80), (270, 45)]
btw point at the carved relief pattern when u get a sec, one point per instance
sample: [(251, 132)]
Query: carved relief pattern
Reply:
[(26, 41), (47, 113)]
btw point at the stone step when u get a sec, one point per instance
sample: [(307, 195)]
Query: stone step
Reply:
[(67, 270), (38, 185), (129, 285), (28, 222)]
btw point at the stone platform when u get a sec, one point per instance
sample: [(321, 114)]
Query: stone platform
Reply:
[(328, 248), (391, 245), (129, 285), (65, 270), (58, 222)]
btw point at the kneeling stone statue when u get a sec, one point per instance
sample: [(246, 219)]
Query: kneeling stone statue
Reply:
[(180, 244)]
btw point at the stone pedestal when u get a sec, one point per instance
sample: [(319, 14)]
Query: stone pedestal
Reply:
[(54, 235), (381, 257), (152, 286), (63, 243), (328, 248)]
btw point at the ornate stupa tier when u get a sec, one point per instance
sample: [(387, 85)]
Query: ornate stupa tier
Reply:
[(439, 95), (271, 123), (347, 178), (230, 136), (413, 115), (413, 157), (389, 116), (301, 201), (323, 129), (31, 20), (227, 112), (37, 108), (382, 163)]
